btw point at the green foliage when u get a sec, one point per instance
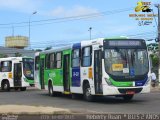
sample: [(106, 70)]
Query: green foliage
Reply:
[(153, 47), (18, 54), (38, 50), (154, 59), (3, 55), (48, 48)]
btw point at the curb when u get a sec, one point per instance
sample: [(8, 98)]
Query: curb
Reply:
[(31, 110)]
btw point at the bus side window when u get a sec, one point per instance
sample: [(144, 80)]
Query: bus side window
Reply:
[(6, 66), (47, 61), (37, 63), (87, 56), (76, 58), (52, 60), (58, 60)]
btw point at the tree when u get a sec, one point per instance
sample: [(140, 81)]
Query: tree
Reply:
[(48, 48), (3, 55), (154, 59), (38, 50), (18, 54), (153, 47)]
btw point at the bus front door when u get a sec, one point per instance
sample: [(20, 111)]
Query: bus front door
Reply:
[(98, 71), (66, 73), (42, 73), (17, 74)]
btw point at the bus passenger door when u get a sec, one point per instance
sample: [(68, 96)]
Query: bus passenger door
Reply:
[(98, 71), (66, 73), (17, 74), (42, 73)]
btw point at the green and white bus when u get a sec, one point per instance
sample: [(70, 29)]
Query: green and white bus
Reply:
[(114, 67), (16, 72)]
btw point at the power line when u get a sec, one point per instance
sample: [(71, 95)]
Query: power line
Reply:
[(64, 19), (144, 33)]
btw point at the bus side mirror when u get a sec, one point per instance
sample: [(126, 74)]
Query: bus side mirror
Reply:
[(100, 46), (157, 40), (102, 54)]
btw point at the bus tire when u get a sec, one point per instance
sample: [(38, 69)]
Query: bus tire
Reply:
[(5, 85), (50, 89), (23, 88), (127, 97), (87, 93)]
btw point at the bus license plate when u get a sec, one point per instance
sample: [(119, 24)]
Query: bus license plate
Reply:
[(130, 92)]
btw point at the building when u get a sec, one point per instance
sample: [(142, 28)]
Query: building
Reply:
[(11, 52), (16, 42)]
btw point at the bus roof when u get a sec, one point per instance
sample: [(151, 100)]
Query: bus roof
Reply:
[(13, 58), (98, 40), (56, 49), (121, 37)]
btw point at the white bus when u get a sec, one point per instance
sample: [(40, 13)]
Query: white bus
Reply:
[(16, 72), (117, 67)]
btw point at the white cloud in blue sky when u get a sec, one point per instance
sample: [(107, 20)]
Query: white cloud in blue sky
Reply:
[(75, 10), (25, 6)]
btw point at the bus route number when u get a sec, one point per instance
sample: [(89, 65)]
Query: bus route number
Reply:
[(75, 74)]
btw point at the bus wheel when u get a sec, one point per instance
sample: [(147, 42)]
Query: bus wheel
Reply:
[(6, 86), (23, 88), (50, 89), (127, 97), (87, 93)]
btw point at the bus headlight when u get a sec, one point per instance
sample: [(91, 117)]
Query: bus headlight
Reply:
[(108, 81), (31, 75)]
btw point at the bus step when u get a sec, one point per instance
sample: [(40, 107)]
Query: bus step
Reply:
[(99, 94), (66, 92)]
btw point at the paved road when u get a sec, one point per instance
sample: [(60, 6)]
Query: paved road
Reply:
[(144, 103)]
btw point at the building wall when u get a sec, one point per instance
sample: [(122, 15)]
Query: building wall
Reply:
[(12, 51)]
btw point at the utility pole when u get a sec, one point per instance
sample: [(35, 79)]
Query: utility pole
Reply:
[(90, 29), (29, 23), (158, 6)]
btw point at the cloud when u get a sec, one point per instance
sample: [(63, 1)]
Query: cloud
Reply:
[(113, 31), (74, 11), (19, 5)]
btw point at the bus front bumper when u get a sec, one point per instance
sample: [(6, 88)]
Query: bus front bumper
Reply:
[(112, 90)]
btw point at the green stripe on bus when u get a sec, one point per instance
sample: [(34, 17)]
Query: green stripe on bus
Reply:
[(121, 84)]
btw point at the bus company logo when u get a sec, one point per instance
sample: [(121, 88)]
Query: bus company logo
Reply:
[(52, 75), (4, 75), (75, 74), (143, 13), (143, 6)]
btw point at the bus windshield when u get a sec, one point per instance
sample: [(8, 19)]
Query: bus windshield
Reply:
[(126, 62), (28, 68)]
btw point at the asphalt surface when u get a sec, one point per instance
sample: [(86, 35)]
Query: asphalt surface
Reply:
[(141, 103)]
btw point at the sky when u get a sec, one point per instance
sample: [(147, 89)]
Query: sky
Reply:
[(60, 22)]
